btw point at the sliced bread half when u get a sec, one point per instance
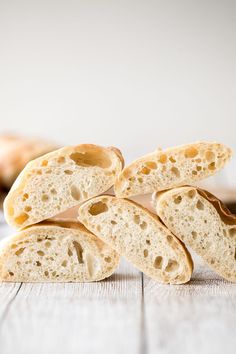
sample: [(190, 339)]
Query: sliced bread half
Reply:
[(55, 252), (139, 236), (170, 168), (202, 222), (60, 180)]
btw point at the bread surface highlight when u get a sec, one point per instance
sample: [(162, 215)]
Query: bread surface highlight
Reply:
[(203, 223), (173, 167), (55, 252), (139, 236), (60, 180)]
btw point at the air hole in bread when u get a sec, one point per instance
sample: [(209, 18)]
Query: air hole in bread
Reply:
[(11, 273), (170, 239), (53, 191), (232, 232), (148, 242), (21, 218), (172, 159), (79, 251), (45, 198), (39, 172), (69, 252), (194, 172), (140, 180), (41, 253), (98, 208), (191, 194), (145, 171), (38, 264), (19, 251), (107, 259), (28, 208), (49, 171), (198, 168), (199, 205), (212, 166), (158, 262), (172, 266), (94, 157), (194, 234), (46, 273), (13, 246), (145, 253), (75, 193), (162, 158), (143, 225), (64, 263), (68, 172), (178, 200), (44, 163), (113, 222), (209, 155), (61, 159), (152, 165), (190, 152), (47, 244), (137, 219), (175, 171)]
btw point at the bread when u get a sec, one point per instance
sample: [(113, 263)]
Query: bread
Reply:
[(15, 152), (60, 180), (203, 223), (171, 168), (55, 252), (139, 236)]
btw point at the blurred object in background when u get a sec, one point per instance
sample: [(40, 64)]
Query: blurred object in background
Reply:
[(15, 152)]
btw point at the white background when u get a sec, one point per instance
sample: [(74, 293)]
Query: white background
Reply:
[(135, 74)]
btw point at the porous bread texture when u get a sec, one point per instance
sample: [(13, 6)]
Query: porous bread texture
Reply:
[(139, 236), (170, 168), (15, 152), (203, 223), (55, 252), (60, 180)]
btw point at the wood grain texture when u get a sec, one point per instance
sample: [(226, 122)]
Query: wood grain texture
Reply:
[(102, 317), (198, 317)]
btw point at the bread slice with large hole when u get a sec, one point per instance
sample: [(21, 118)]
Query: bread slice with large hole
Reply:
[(203, 223), (60, 180), (56, 252), (170, 168), (139, 236)]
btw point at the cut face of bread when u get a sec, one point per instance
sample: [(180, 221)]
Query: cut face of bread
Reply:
[(55, 252), (201, 221), (60, 180), (139, 236), (171, 168)]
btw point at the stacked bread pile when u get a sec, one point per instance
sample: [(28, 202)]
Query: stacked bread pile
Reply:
[(109, 226)]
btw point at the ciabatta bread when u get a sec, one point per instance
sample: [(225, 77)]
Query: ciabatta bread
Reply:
[(60, 180), (170, 168), (15, 152), (202, 222), (139, 236), (55, 252)]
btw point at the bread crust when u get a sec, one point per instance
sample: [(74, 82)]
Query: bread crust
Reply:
[(56, 252), (139, 236), (173, 167), (203, 223)]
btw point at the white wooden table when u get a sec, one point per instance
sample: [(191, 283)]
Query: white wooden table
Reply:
[(128, 313)]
